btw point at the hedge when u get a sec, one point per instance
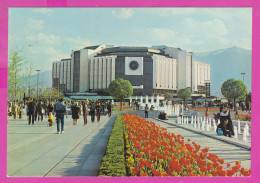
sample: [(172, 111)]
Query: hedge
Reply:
[(113, 163)]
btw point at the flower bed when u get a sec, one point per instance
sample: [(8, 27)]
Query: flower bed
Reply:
[(113, 163), (123, 108), (152, 151), (203, 109), (243, 117)]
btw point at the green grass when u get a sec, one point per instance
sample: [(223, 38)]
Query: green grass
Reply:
[(113, 163)]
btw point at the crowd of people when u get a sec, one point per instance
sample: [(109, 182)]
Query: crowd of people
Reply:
[(38, 110)]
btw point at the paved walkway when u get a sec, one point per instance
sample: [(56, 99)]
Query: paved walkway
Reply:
[(228, 151), (37, 151)]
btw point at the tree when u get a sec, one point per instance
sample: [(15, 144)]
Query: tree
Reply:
[(184, 94), (15, 63), (168, 96), (234, 90), (120, 89)]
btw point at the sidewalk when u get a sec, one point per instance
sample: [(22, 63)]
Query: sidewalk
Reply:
[(223, 148), (37, 151)]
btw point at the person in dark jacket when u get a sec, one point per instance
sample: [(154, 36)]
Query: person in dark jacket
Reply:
[(92, 112), (75, 113), (60, 109), (36, 111), (39, 110), (109, 109), (226, 127), (31, 110), (49, 108), (226, 123)]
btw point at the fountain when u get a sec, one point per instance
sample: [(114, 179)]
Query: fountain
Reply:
[(203, 125), (244, 135), (146, 99), (130, 101), (157, 101), (214, 125), (235, 132), (141, 101), (195, 125), (152, 100), (247, 129), (238, 126), (191, 120), (207, 126)]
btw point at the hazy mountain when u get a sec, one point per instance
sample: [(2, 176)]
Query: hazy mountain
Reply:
[(45, 79), (227, 63)]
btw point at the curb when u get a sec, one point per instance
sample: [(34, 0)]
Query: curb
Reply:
[(223, 139)]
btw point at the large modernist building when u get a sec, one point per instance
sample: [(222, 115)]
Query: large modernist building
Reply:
[(151, 70)]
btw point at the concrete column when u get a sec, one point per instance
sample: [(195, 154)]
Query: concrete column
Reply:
[(91, 75), (104, 76), (100, 72), (170, 73), (109, 60), (96, 74), (113, 67)]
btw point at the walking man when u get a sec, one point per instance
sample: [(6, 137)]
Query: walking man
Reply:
[(31, 112), (109, 109), (146, 111), (60, 109), (92, 113)]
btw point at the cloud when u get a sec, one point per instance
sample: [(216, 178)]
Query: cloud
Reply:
[(44, 11), (78, 42), (33, 25), (123, 13)]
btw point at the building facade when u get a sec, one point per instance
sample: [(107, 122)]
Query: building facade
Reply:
[(150, 70)]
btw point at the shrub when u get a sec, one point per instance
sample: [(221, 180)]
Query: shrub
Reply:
[(113, 163)]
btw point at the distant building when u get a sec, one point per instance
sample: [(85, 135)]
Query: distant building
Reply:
[(151, 70)]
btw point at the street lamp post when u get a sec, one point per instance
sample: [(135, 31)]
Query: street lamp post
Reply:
[(243, 75), (37, 83)]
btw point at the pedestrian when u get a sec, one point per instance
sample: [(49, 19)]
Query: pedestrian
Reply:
[(109, 109), (85, 115), (45, 109), (226, 127), (49, 108), (20, 112), (146, 111), (36, 111), (50, 119), (98, 111), (207, 112), (60, 109), (31, 110), (101, 108), (75, 113), (92, 112), (14, 109), (40, 110)]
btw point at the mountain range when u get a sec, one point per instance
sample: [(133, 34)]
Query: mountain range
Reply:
[(225, 63)]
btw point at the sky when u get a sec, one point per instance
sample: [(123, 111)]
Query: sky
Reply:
[(50, 34)]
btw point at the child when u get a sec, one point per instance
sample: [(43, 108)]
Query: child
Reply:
[(50, 119)]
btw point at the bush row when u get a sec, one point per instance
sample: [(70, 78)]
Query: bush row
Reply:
[(113, 163)]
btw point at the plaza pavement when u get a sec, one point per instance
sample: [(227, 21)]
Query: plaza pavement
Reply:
[(38, 151)]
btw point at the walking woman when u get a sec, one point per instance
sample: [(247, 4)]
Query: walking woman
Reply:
[(207, 112), (75, 113), (85, 112), (98, 111)]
